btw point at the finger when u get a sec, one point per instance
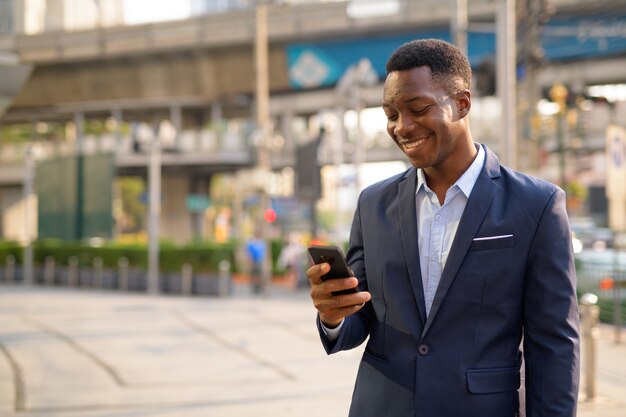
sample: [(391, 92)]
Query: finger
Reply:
[(314, 273), (358, 298), (339, 284), (338, 302), (325, 289), (336, 315)]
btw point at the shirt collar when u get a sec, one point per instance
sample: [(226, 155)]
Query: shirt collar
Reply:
[(467, 181)]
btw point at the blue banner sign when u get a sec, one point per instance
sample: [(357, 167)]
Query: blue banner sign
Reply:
[(321, 64)]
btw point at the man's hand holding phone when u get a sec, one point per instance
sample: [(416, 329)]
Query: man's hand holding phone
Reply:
[(333, 288)]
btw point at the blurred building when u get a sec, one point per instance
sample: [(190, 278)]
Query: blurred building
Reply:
[(107, 90)]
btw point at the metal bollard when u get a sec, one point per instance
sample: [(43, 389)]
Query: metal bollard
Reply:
[(224, 277), (589, 320), (72, 271), (48, 270), (10, 268), (96, 272), (122, 274), (617, 307), (186, 281)]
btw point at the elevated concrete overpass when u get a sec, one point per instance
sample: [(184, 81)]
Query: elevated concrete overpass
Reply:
[(197, 62)]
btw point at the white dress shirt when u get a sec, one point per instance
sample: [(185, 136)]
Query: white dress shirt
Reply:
[(436, 225)]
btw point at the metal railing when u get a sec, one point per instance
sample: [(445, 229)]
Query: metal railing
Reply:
[(606, 279)]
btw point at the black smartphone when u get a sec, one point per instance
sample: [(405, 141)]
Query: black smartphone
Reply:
[(339, 268)]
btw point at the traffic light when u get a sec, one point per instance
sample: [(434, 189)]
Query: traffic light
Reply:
[(269, 215)]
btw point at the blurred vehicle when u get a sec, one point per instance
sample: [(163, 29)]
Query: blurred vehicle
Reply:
[(600, 270), (603, 273), (586, 235)]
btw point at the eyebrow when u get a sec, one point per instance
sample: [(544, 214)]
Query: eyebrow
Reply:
[(410, 100)]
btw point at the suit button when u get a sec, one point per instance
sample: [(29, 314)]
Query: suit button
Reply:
[(423, 350)]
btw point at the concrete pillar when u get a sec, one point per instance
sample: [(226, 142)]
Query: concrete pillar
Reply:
[(286, 123), (176, 117), (19, 17), (117, 116), (506, 83), (55, 16), (217, 119), (458, 25), (199, 129)]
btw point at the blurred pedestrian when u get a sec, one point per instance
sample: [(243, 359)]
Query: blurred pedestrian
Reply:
[(457, 260), (292, 259), (256, 249)]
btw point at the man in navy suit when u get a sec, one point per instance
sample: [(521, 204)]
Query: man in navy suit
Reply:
[(457, 260)]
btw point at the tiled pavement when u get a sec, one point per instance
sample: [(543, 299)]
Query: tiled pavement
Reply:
[(75, 353)]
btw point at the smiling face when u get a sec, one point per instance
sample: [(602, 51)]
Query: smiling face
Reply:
[(426, 122)]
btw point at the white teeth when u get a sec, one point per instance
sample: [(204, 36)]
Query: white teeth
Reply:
[(411, 145)]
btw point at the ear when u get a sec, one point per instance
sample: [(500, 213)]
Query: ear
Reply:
[(464, 103)]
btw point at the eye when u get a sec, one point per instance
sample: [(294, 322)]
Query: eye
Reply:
[(420, 110), (392, 117)]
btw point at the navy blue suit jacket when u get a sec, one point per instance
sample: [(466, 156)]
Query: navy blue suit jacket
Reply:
[(463, 360)]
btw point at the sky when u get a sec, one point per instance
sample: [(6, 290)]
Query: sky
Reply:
[(143, 11)]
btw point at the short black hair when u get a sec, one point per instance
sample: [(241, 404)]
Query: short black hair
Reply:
[(450, 68)]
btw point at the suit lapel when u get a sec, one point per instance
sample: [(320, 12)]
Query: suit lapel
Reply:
[(408, 231), (477, 207)]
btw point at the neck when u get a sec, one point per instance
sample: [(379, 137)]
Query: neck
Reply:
[(441, 177)]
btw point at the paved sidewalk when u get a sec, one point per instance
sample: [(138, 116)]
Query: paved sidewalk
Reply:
[(75, 353)]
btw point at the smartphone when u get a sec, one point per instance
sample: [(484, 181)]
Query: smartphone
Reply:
[(338, 266)]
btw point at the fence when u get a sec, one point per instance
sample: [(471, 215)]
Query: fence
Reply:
[(605, 276)]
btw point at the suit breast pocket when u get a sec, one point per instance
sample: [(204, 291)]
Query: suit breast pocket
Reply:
[(493, 242)]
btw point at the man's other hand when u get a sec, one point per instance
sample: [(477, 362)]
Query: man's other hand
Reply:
[(334, 308)]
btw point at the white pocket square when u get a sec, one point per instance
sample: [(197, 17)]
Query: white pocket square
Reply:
[(491, 237)]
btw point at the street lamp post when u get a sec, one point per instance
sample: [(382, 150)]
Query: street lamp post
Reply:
[(459, 24), (28, 213), (154, 210), (262, 96), (558, 94), (506, 80)]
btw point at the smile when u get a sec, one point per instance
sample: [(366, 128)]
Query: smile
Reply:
[(408, 145)]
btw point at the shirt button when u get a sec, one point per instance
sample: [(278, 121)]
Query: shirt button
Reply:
[(423, 349), (438, 217), (434, 258)]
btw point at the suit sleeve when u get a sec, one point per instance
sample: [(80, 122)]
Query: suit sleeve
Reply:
[(551, 332), (356, 327)]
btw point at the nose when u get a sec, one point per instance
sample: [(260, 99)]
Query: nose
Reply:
[(404, 126)]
